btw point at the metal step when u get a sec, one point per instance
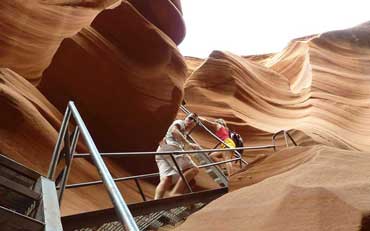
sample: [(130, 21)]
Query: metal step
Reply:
[(18, 168), (215, 172), (13, 221), (28, 201), (148, 215), (174, 216), (151, 220), (16, 186), (112, 226)]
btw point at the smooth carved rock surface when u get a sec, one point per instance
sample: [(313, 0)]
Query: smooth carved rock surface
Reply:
[(31, 31), (29, 124), (318, 188), (28, 121), (318, 85), (164, 14), (127, 81), (135, 74), (119, 62)]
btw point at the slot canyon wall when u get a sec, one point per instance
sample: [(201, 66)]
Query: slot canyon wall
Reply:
[(119, 62), (318, 86)]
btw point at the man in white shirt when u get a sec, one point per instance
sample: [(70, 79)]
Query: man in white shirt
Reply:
[(175, 140)]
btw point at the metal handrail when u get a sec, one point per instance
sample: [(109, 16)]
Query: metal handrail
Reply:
[(224, 181), (286, 136), (122, 210), (123, 213), (291, 138), (67, 170), (186, 111), (134, 154), (172, 153), (90, 183)]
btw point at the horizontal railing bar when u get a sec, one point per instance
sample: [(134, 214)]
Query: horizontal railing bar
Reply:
[(115, 179), (84, 184), (120, 154), (217, 163), (238, 154), (123, 213), (277, 133)]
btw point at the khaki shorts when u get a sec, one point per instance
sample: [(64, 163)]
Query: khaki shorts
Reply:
[(165, 163)]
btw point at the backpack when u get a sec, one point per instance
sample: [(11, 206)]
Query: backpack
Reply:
[(238, 140)]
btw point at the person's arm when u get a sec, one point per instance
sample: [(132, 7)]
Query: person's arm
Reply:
[(178, 135), (208, 123), (181, 138)]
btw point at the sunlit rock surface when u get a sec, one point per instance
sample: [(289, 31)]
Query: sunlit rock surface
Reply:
[(314, 188), (119, 62), (318, 85)]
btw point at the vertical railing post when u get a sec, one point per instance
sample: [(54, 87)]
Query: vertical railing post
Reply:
[(286, 136), (273, 141), (286, 139), (291, 138), (274, 138), (70, 153), (184, 109), (181, 174), (58, 145), (123, 213), (219, 173), (140, 189)]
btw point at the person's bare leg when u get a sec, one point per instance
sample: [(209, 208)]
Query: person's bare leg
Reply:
[(229, 166), (217, 156), (162, 187), (180, 186)]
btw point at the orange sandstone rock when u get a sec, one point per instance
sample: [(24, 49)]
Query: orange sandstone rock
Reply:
[(317, 188), (316, 85), (31, 31), (126, 80)]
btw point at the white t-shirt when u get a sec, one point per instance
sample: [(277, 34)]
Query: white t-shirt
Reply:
[(169, 136)]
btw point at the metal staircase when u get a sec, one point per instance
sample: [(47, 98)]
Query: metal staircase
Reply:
[(214, 171), (146, 215), (28, 201)]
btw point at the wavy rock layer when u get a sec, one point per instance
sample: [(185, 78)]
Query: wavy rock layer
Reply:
[(33, 30), (317, 85), (28, 135), (135, 75), (318, 188), (28, 121), (125, 75), (164, 14), (123, 70)]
